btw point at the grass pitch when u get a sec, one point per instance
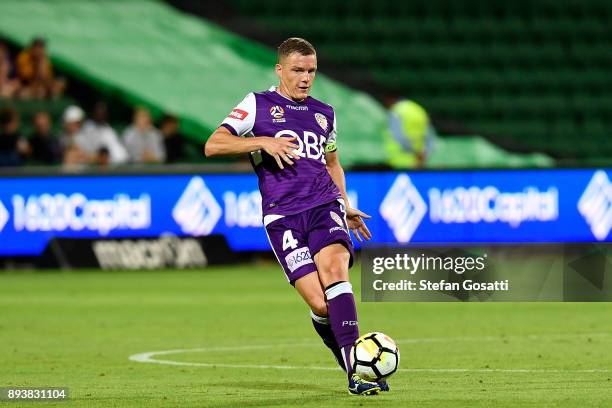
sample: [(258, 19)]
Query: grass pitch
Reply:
[(79, 329)]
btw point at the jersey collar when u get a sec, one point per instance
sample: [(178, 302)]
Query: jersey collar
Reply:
[(274, 88)]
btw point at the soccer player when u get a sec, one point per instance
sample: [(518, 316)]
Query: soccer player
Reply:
[(291, 140)]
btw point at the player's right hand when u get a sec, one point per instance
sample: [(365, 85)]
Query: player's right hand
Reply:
[(281, 148)]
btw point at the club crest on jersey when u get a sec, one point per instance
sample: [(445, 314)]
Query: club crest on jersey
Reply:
[(278, 114), (321, 120)]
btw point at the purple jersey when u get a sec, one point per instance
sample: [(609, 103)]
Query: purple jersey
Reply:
[(301, 186)]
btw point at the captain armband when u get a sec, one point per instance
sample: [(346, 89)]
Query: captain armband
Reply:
[(331, 147)]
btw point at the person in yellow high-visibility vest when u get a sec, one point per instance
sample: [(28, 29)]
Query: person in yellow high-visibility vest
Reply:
[(410, 136)]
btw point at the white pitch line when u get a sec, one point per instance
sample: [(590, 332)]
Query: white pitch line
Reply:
[(145, 358), (148, 357)]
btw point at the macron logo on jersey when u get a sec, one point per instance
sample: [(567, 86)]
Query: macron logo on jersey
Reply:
[(238, 114)]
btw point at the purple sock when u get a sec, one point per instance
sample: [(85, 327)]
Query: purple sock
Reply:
[(323, 329), (343, 317)]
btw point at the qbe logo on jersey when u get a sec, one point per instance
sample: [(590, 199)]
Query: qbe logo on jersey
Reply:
[(403, 208), (595, 205), (197, 212)]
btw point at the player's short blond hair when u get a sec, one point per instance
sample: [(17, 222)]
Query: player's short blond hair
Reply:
[(294, 44)]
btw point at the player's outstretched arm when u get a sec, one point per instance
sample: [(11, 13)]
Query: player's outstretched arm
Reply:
[(224, 143), (354, 217)]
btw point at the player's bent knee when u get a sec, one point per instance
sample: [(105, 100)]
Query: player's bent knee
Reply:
[(336, 270), (334, 264)]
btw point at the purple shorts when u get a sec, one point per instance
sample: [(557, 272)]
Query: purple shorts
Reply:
[(297, 238)]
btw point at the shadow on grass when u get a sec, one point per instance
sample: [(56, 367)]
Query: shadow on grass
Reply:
[(301, 392), (274, 386)]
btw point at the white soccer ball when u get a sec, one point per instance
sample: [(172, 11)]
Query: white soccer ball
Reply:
[(374, 356)]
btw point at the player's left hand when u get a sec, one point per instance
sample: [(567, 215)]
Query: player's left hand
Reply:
[(354, 219)]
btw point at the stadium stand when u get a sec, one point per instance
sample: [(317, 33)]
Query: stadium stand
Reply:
[(532, 75), (171, 62)]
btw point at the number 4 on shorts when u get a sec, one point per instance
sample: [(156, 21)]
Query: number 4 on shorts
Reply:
[(289, 241)]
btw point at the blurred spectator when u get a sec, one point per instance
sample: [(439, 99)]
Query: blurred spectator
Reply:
[(12, 146), (103, 157), (9, 87), (142, 140), (45, 147), (410, 135), (97, 134), (82, 143), (73, 120), (35, 71), (173, 140)]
